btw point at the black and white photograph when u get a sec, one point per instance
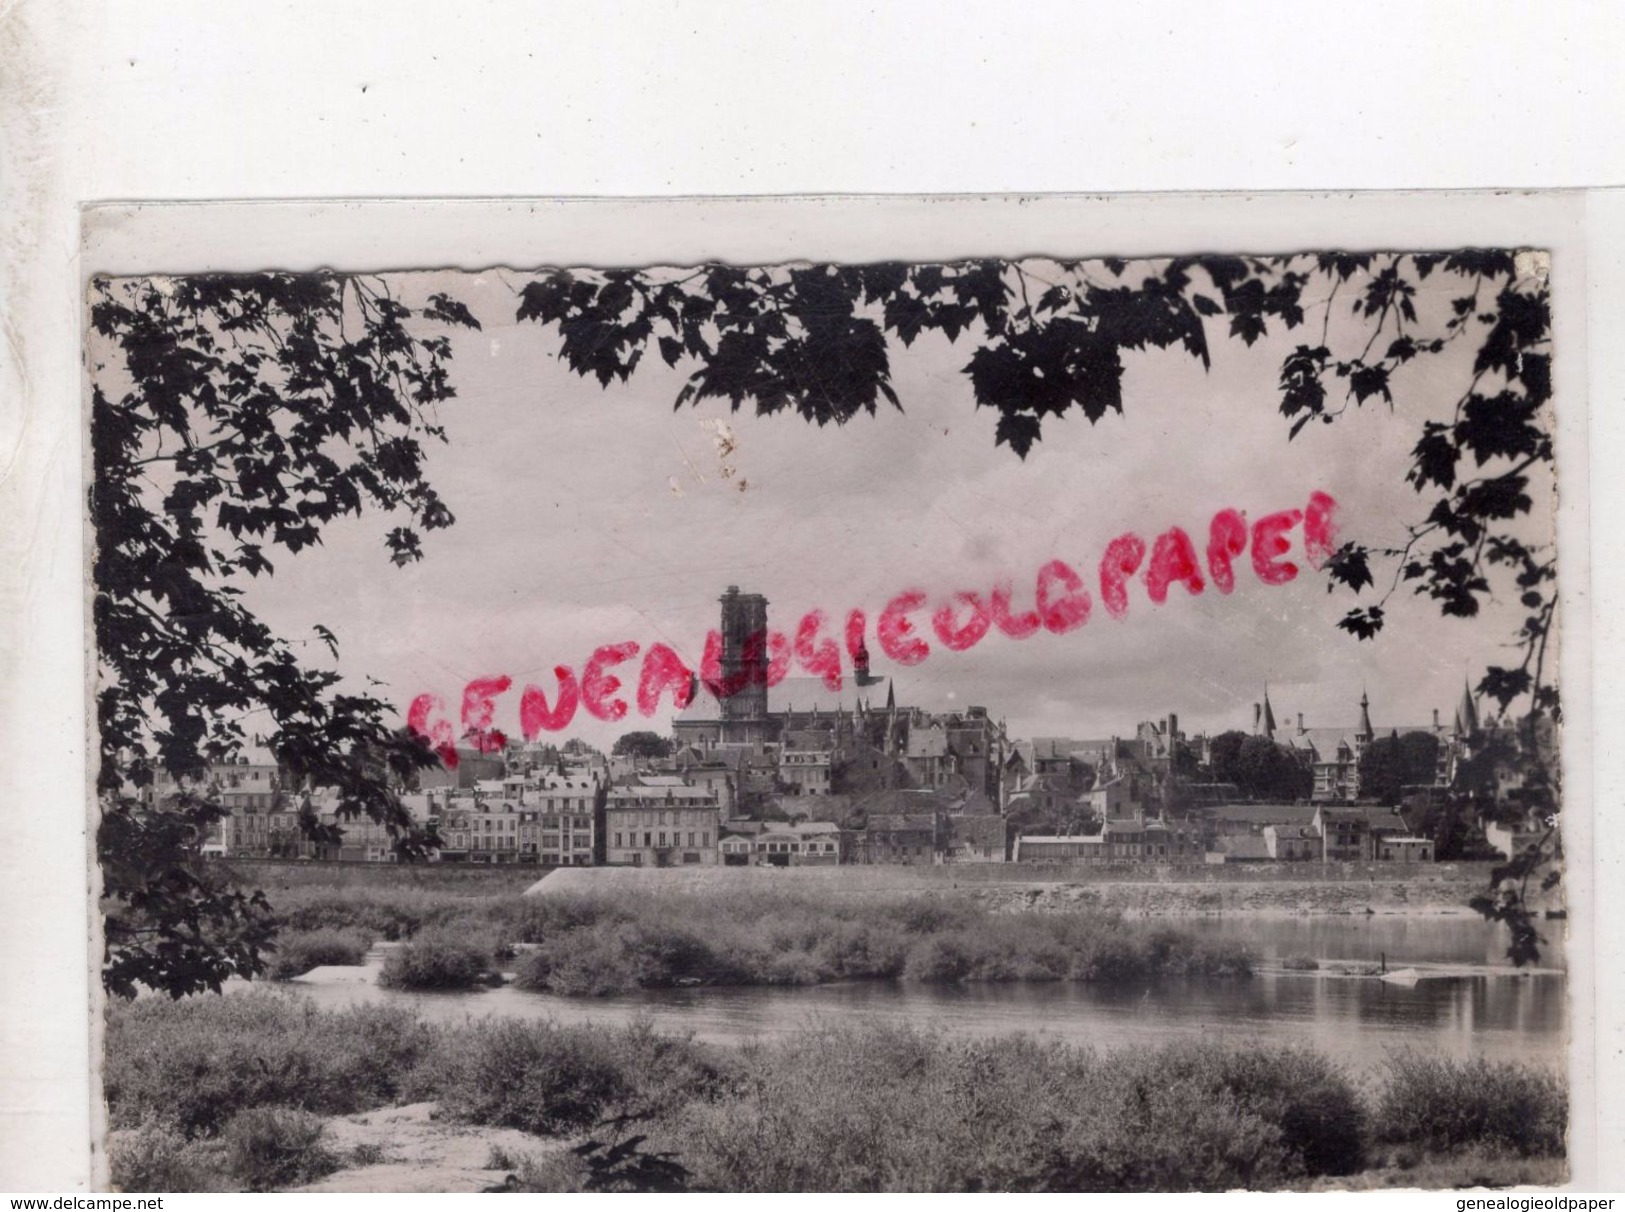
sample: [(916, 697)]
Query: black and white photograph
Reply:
[(1046, 722), (827, 600)]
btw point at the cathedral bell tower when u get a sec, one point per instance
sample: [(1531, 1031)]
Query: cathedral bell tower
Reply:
[(744, 665)]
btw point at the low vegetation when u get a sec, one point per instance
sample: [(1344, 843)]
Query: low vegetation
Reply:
[(554, 1080), (1440, 1103), (592, 945), (214, 1091), (159, 1157), (298, 951), (439, 959), (260, 1149), (273, 1148), (898, 1109), (194, 1064)]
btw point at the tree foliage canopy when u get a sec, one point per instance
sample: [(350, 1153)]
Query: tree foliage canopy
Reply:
[(1393, 762), (643, 744), (238, 415), (1260, 768)]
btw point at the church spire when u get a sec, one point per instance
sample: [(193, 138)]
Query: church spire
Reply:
[(1366, 731), (1466, 711), (1268, 724)]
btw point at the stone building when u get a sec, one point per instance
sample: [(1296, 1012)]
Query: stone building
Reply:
[(662, 824)]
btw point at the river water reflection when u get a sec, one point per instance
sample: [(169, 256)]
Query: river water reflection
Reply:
[(1360, 1021)]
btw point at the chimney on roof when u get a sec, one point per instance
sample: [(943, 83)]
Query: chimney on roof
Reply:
[(1301, 728)]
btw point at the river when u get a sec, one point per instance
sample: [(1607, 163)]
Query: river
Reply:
[(1479, 1009)]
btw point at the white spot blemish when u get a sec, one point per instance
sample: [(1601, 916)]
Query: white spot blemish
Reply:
[(722, 436), (1532, 263)]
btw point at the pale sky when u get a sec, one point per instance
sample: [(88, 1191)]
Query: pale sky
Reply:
[(588, 516)]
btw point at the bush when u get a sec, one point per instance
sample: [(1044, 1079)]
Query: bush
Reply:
[(298, 951), (613, 956), (937, 957), (868, 1108), (593, 961), (437, 959), (1301, 963), (158, 1157), (548, 1079), (270, 1148), (1307, 1098), (197, 1062), (1447, 1104)]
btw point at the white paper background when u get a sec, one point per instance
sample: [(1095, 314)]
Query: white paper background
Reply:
[(191, 100)]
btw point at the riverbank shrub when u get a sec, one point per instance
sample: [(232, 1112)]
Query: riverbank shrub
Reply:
[(862, 1106), (392, 914), (1308, 1100), (1301, 963), (438, 959), (884, 1108), (591, 948), (298, 951), (197, 1062), (158, 1157), (587, 944), (272, 1148), (1444, 1104), (771, 937), (541, 1077)]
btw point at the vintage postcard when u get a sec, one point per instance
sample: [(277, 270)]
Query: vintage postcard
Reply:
[(1052, 722)]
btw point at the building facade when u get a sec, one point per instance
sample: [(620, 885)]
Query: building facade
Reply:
[(662, 825)]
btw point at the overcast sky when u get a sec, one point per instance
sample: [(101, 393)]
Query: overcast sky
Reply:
[(588, 516)]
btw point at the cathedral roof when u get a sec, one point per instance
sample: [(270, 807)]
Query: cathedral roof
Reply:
[(801, 695)]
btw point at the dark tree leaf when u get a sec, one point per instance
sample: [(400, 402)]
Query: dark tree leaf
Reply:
[(1350, 565), (1017, 430), (1363, 622)]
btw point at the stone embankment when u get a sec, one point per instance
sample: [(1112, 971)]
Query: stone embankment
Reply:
[(1132, 889), (1432, 894)]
